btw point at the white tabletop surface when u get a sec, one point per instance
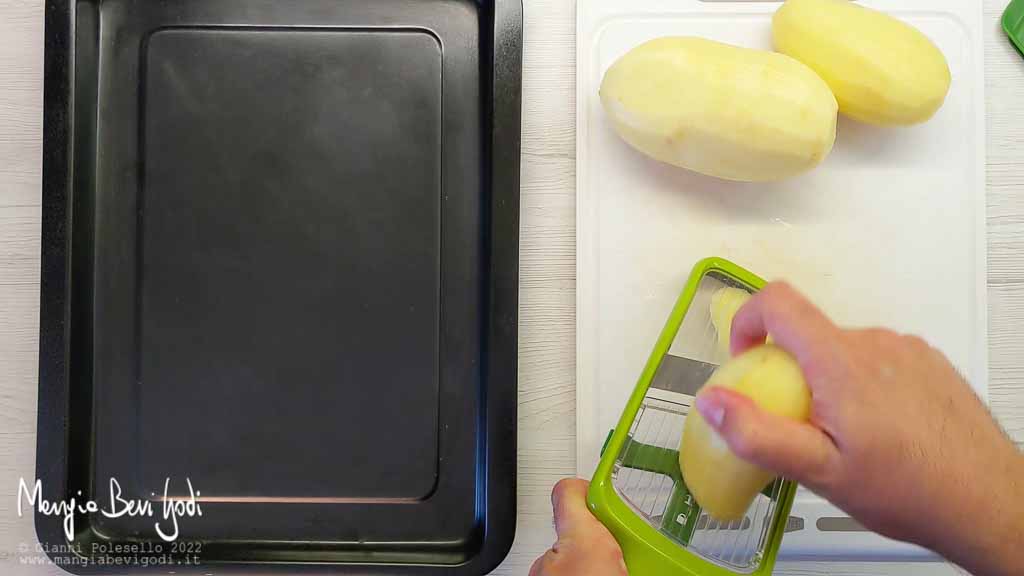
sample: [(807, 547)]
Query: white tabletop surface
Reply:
[(547, 294)]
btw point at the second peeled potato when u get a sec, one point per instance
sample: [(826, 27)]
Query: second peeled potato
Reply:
[(882, 70)]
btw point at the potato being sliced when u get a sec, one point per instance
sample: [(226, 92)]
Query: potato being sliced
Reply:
[(722, 483)]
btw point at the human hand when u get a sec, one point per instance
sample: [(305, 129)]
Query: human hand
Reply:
[(897, 438), (584, 546)]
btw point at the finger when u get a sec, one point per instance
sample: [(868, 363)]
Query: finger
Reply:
[(793, 322), (538, 568), (793, 449), (569, 501), (535, 567)]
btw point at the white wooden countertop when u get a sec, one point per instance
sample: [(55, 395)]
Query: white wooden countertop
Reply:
[(547, 295)]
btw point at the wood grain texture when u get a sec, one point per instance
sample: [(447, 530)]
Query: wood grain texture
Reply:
[(21, 102), (547, 312)]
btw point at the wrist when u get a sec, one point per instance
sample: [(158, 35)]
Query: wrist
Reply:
[(988, 539), (1013, 538)]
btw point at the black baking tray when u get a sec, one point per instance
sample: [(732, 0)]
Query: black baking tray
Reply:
[(279, 263)]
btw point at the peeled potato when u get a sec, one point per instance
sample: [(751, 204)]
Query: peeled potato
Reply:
[(725, 302), (721, 110), (723, 484), (881, 70)]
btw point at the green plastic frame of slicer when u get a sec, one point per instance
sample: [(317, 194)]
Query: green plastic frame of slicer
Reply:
[(648, 551)]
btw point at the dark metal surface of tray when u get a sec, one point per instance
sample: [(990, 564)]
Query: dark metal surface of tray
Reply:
[(280, 250)]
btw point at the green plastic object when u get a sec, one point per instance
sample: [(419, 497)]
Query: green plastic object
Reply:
[(662, 544), (1013, 24)]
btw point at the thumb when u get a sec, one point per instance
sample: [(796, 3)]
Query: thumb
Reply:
[(797, 450), (584, 545), (569, 501)]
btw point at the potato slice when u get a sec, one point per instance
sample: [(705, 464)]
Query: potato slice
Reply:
[(725, 302)]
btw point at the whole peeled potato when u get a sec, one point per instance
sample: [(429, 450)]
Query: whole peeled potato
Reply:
[(882, 70), (723, 484), (721, 110)]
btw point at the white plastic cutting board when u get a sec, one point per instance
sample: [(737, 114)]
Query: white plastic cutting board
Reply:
[(889, 231)]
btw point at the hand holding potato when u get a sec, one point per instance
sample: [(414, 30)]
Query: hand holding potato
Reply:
[(896, 438), (724, 485)]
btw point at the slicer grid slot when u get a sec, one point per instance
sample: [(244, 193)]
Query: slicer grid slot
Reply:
[(647, 478)]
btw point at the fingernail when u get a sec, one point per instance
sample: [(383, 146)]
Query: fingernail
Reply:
[(712, 411)]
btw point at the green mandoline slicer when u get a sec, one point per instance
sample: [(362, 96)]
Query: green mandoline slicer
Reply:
[(638, 491)]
